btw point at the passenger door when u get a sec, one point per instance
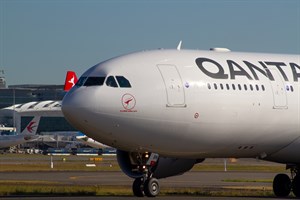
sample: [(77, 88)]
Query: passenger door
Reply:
[(173, 83), (279, 92)]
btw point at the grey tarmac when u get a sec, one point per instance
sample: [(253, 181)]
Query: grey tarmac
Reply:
[(189, 179), (136, 198), (193, 179)]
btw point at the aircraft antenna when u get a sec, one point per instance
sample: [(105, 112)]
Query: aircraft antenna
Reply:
[(179, 45)]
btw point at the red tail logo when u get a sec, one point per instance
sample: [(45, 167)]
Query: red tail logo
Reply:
[(70, 81), (31, 127)]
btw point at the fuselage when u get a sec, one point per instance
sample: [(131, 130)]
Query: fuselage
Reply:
[(7, 141), (192, 104)]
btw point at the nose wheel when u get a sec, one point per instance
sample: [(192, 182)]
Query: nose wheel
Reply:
[(150, 187), (138, 187), (283, 185), (296, 186)]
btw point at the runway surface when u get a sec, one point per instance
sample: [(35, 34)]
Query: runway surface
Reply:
[(136, 198), (189, 179), (194, 179)]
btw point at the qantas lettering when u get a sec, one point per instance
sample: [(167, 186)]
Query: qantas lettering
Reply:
[(236, 69)]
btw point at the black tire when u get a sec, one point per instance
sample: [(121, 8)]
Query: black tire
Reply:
[(282, 185), (296, 186), (137, 188), (151, 187)]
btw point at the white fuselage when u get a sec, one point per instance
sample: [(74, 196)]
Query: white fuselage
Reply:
[(91, 142), (13, 140), (194, 104)]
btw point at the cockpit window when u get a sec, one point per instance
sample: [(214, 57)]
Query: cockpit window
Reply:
[(91, 81), (81, 81), (111, 82), (123, 82)]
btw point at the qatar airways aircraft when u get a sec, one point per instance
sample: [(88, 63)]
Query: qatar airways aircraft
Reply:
[(166, 110)]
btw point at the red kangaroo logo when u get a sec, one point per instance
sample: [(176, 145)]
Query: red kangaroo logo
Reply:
[(128, 101)]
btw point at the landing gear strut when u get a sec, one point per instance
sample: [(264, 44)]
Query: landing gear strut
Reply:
[(283, 185), (146, 185)]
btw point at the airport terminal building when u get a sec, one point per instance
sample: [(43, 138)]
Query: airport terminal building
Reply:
[(15, 97), (19, 103), (18, 94)]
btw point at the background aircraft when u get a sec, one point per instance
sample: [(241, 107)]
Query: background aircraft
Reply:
[(28, 134), (70, 81), (214, 104), (90, 142)]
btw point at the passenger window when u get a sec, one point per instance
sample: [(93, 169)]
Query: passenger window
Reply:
[(245, 86), (92, 81), (227, 86), (221, 85), (233, 86), (123, 82), (215, 85), (239, 86), (81, 81), (292, 89), (251, 87), (111, 82), (257, 88), (208, 85), (263, 87)]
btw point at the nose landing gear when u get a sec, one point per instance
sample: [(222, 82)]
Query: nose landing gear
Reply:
[(296, 183), (283, 185), (146, 185)]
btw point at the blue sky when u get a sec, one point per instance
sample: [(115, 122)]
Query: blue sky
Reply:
[(41, 39)]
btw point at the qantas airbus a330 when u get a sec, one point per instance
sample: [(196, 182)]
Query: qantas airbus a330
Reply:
[(166, 110)]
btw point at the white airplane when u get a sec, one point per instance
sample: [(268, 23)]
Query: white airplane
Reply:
[(90, 142), (28, 134), (213, 103)]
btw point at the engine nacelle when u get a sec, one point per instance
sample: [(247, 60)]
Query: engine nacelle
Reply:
[(164, 167)]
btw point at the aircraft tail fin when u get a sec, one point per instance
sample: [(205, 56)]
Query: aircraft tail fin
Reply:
[(32, 126), (70, 81)]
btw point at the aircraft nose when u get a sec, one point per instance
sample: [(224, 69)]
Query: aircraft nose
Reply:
[(74, 108)]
